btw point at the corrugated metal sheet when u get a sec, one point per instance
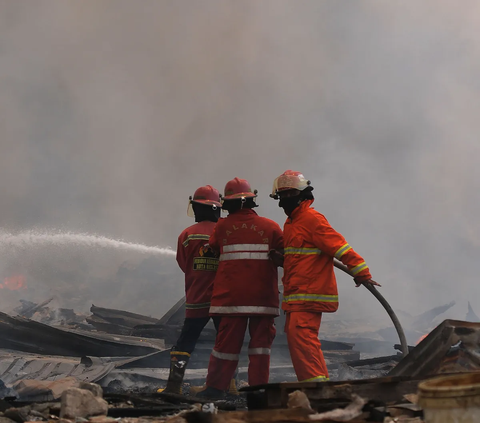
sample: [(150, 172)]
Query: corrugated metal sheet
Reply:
[(20, 334), (15, 367)]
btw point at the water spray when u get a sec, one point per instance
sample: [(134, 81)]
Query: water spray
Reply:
[(30, 239)]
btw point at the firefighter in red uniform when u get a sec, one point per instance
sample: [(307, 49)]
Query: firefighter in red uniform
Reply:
[(199, 265), (310, 288), (245, 289)]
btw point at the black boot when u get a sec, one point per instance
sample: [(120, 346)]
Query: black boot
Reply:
[(178, 365), (211, 393)]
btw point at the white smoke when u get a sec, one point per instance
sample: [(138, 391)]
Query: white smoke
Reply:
[(113, 113)]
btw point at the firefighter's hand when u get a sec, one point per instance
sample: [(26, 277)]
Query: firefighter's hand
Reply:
[(276, 257), (364, 282)]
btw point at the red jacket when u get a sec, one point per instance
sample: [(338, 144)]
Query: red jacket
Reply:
[(310, 246), (247, 280), (199, 269)]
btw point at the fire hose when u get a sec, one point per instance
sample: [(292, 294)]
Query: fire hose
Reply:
[(386, 306)]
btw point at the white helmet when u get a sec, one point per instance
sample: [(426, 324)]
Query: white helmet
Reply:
[(289, 180)]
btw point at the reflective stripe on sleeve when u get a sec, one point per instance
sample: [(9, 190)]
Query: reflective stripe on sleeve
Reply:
[(243, 256), (196, 306), (245, 247), (320, 378), (311, 297), (359, 268), (304, 251), (244, 310), (193, 237), (259, 351), (342, 250), (225, 356)]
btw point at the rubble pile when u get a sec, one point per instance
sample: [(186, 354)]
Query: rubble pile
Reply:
[(60, 365)]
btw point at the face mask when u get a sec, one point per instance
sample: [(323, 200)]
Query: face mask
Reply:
[(289, 204), (211, 214)]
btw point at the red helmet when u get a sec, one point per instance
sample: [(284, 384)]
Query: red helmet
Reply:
[(238, 188), (206, 195), (289, 180)]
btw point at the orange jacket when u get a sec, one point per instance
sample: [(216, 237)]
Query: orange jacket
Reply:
[(247, 280), (199, 270), (310, 246)]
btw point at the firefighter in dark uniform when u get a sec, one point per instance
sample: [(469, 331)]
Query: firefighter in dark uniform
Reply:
[(199, 265)]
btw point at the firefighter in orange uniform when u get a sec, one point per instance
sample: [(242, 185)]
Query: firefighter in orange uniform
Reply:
[(245, 289), (199, 266), (310, 288)]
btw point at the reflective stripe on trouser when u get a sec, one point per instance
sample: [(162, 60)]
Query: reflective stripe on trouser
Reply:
[(302, 329), (228, 344)]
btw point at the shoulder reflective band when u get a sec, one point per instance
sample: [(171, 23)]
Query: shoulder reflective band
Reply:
[(304, 251), (225, 356), (342, 250), (244, 310), (196, 306), (193, 237), (320, 378), (259, 351), (311, 297), (359, 268), (245, 247)]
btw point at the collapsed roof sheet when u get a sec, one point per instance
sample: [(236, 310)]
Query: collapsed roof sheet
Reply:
[(20, 334)]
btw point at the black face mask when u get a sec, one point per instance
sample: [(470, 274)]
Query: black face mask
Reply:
[(289, 204), (204, 212)]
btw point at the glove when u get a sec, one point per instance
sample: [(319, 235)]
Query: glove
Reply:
[(276, 257), (362, 281)]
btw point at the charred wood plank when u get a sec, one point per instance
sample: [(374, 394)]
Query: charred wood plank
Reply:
[(153, 411), (121, 317), (108, 327), (335, 345), (342, 356), (170, 333), (29, 312), (387, 389), (263, 416), (427, 355), (367, 361)]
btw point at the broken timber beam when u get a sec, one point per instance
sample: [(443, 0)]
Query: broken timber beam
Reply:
[(32, 310), (427, 356), (385, 389)]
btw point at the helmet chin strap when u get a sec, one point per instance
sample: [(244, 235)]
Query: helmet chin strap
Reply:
[(243, 200)]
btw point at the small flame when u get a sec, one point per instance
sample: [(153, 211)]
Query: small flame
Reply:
[(14, 283), (421, 338)]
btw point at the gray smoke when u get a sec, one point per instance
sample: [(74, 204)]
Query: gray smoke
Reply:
[(112, 113)]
